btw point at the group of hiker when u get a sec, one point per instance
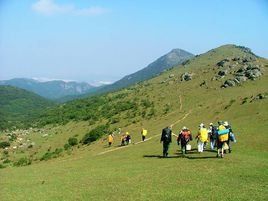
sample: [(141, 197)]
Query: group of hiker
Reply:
[(126, 137), (218, 136)]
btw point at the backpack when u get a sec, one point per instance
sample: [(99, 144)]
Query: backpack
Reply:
[(186, 134), (166, 135)]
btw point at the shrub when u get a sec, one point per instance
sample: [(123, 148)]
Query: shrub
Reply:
[(22, 162), (2, 166), (48, 155), (6, 161), (4, 144), (67, 146), (95, 134), (72, 141), (57, 152)]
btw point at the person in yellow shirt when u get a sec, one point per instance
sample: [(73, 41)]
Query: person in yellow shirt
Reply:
[(202, 137), (143, 134), (110, 139), (223, 136)]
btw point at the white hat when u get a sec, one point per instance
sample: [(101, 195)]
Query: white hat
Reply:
[(201, 125), (184, 128), (225, 123)]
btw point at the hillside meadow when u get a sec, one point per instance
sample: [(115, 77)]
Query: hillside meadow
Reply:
[(137, 171)]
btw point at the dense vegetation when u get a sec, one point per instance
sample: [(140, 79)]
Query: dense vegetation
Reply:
[(111, 107), (19, 107)]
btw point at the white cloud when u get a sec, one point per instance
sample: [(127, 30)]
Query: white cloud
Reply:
[(100, 83), (45, 79), (94, 10), (50, 7)]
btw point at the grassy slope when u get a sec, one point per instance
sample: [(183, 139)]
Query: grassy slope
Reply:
[(137, 173), (18, 105)]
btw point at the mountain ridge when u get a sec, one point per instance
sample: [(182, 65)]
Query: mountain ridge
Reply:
[(54, 89), (174, 57)]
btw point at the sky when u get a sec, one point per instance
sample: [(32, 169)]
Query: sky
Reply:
[(103, 40)]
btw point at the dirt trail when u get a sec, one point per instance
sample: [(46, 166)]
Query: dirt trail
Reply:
[(117, 148)]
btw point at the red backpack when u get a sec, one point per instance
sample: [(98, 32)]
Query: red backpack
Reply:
[(186, 134)]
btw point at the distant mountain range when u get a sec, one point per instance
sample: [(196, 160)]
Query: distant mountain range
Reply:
[(55, 89), (165, 62), (63, 91)]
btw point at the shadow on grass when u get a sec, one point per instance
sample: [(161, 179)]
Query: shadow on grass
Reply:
[(180, 155), (200, 157), (160, 156)]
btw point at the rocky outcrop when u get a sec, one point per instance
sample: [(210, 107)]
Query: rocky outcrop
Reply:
[(238, 70), (186, 76)]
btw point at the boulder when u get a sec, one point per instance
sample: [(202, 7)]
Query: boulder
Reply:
[(229, 83), (223, 62), (242, 69), (222, 73), (236, 58), (186, 76), (171, 75), (241, 78), (253, 74)]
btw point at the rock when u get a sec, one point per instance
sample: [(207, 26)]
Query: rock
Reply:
[(241, 78), (253, 74), (171, 75), (222, 73), (229, 83), (236, 59), (223, 62), (236, 81), (186, 76), (203, 83), (242, 69), (259, 97)]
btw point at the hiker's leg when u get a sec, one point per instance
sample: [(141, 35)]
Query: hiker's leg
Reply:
[(198, 145), (201, 146), (143, 138), (212, 143), (165, 149), (229, 145)]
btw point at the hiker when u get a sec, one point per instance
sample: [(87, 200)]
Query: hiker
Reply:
[(110, 139), (212, 132), (128, 138), (143, 134), (230, 136), (184, 137), (223, 135), (123, 139), (202, 136), (166, 139)]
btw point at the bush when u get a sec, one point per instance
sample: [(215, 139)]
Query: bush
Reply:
[(22, 162), (6, 161), (95, 134), (2, 166), (72, 141), (4, 144), (48, 155), (57, 152), (67, 146)]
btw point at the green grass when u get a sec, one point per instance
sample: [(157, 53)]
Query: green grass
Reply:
[(137, 172)]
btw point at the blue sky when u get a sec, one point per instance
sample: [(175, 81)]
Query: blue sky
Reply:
[(103, 40)]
